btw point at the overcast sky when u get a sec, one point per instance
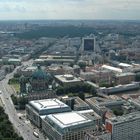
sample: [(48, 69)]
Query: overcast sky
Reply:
[(69, 9)]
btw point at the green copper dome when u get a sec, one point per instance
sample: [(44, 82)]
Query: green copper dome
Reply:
[(39, 74)]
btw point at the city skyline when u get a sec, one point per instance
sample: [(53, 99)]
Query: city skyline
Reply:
[(69, 9)]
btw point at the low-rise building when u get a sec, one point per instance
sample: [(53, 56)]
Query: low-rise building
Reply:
[(98, 135), (98, 76), (67, 79), (75, 103), (14, 61), (112, 69), (27, 71), (36, 109), (124, 78), (102, 105), (69, 125), (120, 88)]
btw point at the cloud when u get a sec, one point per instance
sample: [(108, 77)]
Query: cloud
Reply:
[(69, 9)]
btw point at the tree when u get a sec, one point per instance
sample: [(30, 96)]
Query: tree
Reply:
[(7, 131), (82, 65), (14, 99), (16, 75), (85, 88), (60, 90), (93, 91), (22, 101), (81, 95), (118, 112)]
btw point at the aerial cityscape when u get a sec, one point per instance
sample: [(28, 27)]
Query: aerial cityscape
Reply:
[(66, 76)]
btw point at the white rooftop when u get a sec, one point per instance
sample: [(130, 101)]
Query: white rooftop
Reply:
[(14, 59), (68, 119), (125, 65), (31, 68), (47, 104), (112, 68)]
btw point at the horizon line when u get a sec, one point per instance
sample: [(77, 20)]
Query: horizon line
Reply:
[(70, 19)]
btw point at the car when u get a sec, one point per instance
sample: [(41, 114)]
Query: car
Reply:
[(0, 92)]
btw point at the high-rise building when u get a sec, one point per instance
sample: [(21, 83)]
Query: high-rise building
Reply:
[(88, 44)]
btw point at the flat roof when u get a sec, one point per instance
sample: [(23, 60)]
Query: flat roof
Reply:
[(124, 118), (112, 68), (47, 104), (68, 119), (63, 78), (31, 68), (14, 59), (125, 65), (59, 56), (36, 60), (125, 74)]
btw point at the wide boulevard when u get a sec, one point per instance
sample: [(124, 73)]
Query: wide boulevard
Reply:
[(24, 129)]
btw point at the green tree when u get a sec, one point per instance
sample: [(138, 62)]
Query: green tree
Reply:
[(137, 77), (22, 101), (14, 99), (81, 95), (118, 112), (60, 90), (6, 129), (16, 75), (93, 91), (82, 65)]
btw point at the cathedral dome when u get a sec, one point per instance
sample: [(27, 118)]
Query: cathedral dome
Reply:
[(39, 74)]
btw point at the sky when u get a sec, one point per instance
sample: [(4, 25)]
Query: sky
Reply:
[(69, 9)]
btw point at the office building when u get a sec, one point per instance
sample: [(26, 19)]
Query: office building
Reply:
[(102, 105), (75, 103), (36, 109), (126, 127), (98, 135), (88, 44), (124, 78), (67, 79), (69, 125)]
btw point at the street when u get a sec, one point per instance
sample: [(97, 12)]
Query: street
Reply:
[(22, 128)]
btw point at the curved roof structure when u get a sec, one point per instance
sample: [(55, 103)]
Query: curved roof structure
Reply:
[(39, 74)]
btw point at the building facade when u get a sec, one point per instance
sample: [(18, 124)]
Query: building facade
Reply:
[(126, 127), (38, 108), (68, 126)]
